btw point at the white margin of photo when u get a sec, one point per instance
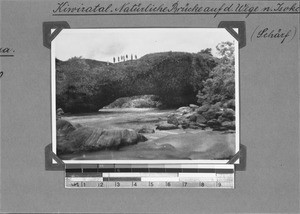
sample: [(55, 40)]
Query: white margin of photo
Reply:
[(237, 95), (53, 113), (53, 96)]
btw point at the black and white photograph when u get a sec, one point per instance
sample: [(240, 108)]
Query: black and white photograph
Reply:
[(149, 106), (145, 95)]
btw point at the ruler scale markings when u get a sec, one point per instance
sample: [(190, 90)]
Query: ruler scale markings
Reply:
[(122, 174), (197, 174), (158, 174), (149, 176), (159, 179), (123, 179)]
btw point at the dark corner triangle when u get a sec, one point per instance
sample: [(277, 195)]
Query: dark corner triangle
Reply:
[(242, 155), (49, 156), (241, 35), (243, 159), (48, 36)]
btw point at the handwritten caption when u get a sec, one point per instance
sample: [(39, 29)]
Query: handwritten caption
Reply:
[(66, 8), (6, 51), (282, 35)]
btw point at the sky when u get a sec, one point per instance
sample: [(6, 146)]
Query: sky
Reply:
[(105, 44)]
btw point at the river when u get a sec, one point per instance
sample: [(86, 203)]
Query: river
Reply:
[(177, 144)]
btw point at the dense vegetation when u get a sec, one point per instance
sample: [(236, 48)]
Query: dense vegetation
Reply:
[(177, 78), (219, 87)]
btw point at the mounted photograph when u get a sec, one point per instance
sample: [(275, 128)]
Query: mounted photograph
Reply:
[(145, 95)]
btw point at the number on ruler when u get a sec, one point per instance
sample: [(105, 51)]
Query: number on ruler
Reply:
[(184, 184), (82, 184), (168, 184), (100, 184), (134, 184), (151, 184), (75, 184), (219, 184), (117, 184), (202, 184), (1, 74)]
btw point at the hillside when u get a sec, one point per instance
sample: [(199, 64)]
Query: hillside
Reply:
[(85, 85), (90, 62)]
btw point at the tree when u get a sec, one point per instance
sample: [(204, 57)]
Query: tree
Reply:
[(220, 85), (206, 51), (226, 51)]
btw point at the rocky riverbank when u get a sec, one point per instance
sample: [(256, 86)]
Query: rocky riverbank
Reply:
[(218, 117), (149, 133)]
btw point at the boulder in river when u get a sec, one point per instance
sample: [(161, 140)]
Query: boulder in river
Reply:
[(172, 119), (139, 101), (166, 126), (203, 108), (213, 123), (229, 125), (228, 113), (72, 139), (200, 119), (145, 130), (193, 106), (184, 110), (64, 127)]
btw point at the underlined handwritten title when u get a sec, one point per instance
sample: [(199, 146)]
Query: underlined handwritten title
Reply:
[(67, 8)]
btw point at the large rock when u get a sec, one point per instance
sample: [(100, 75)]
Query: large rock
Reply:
[(230, 104), (228, 113), (93, 139), (210, 114), (223, 119), (141, 101), (229, 125), (193, 106), (213, 123), (172, 119), (200, 119), (203, 108), (64, 127), (192, 116), (173, 76), (145, 130), (166, 126), (194, 125), (59, 112), (184, 110), (214, 112)]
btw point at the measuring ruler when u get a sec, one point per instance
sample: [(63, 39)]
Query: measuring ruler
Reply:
[(200, 176)]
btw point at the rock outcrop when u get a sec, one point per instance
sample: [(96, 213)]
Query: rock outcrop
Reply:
[(166, 126), (142, 101), (85, 85), (71, 139), (219, 117)]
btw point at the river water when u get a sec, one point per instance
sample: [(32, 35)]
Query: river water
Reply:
[(178, 144)]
